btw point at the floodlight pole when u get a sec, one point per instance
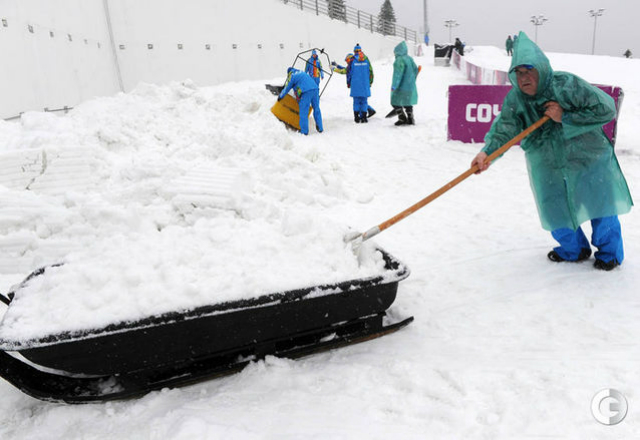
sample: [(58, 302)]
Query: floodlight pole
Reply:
[(426, 23), (595, 13), (538, 20), (450, 24)]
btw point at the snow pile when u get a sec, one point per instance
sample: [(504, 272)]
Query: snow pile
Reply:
[(195, 197)]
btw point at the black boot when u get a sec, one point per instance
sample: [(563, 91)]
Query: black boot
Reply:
[(410, 120), (363, 117), (402, 118), (370, 112), (556, 258), (356, 117)]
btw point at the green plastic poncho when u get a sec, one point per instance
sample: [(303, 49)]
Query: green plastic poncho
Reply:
[(403, 84), (573, 170)]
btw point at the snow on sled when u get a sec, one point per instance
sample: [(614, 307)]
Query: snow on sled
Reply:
[(129, 359)]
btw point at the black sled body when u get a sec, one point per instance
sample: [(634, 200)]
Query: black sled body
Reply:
[(130, 359)]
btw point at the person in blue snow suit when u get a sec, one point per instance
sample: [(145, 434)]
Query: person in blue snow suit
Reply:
[(359, 80), (344, 70), (314, 67), (307, 94)]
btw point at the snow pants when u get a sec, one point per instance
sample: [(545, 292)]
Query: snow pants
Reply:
[(360, 104), (310, 98), (606, 236)]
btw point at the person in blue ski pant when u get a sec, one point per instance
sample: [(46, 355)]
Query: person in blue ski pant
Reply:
[(344, 70), (359, 80), (314, 67), (307, 94)]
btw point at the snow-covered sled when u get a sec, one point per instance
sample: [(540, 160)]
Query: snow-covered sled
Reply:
[(129, 359)]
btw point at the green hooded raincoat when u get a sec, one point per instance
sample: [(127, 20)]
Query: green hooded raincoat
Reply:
[(573, 170), (403, 84)]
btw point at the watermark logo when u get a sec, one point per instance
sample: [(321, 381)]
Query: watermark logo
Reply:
[(609, 406)]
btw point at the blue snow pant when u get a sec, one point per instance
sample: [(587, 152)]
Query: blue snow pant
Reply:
[(606, 236), (310, 98), (360, 104)]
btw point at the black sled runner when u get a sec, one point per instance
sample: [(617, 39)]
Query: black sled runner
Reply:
[(125, 360)]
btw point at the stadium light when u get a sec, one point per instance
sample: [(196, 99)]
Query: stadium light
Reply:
[(450, 24), (538, 20), (595, 13)]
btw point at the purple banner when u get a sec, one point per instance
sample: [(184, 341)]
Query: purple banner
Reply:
[(472, 110)]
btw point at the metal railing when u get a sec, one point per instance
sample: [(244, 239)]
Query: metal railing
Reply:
[(66, 109), (354, 16)]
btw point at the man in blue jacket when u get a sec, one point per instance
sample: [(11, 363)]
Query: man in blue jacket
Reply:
[(359, 80), (314, 67), (307, 94)]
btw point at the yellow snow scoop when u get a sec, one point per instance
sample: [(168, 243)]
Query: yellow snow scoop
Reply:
[(288, 111)]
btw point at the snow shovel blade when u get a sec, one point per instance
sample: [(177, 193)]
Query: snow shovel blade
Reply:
[(392, 113), (274, 89), (357, 238)]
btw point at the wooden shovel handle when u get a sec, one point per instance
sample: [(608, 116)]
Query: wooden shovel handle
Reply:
[(395, 219)]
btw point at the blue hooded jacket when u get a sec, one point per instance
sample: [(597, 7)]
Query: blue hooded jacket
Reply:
[(314, 66), (360, 75), (299, 81)]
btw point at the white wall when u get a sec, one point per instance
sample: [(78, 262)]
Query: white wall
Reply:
[(43, 68), (54, 72)]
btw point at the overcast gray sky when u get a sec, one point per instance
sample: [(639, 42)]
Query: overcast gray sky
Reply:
[(488, 22)]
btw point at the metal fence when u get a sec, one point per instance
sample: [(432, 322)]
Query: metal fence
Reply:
[(348, 14)]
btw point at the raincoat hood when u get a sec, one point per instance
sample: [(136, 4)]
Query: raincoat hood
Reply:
[(526, 52), (401, 49)]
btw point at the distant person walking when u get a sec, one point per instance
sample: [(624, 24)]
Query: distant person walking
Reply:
[(509, 45), (404, 94), (359, 80), (459, 47), (314, 67), (627, 54), (306, 92)]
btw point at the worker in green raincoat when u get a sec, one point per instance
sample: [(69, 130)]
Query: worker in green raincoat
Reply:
[(404, 94), (573, 170)]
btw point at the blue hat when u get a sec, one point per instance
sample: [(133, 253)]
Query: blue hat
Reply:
[(357, 47), (349, 55), (526, 66)]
